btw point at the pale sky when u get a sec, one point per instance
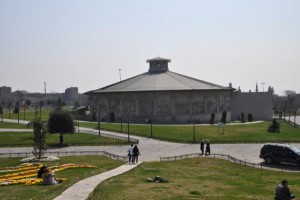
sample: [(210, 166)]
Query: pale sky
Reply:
[(83, 43)]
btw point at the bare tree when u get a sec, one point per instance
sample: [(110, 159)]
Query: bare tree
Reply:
[(39, 139)]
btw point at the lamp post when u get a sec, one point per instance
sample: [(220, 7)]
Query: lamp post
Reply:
[(99, 124), (121, 123), (194, 130), (78, 125), (151, 127)]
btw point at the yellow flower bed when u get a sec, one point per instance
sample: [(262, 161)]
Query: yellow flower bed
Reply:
[(23, 173)]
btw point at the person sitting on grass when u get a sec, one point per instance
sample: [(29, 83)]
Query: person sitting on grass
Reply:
[(283, 192), (48, 177), (41, 171)]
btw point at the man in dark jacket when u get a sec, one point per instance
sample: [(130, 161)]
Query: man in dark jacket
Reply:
[(202, 146), (283, 192)]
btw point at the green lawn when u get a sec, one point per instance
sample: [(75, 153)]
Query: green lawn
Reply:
[(26, 139), (30, 113), (13, 125), (233, 133), (49, 192), (199, 178)]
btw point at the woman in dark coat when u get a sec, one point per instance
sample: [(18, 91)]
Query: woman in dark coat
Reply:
[(136, 154), (207, 150)]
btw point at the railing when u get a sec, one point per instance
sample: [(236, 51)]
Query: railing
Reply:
[(131, 140), (67, 153), (283, 168)]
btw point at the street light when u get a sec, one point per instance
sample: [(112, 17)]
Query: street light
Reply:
[(263, 86), (194, 130), (99, 124)]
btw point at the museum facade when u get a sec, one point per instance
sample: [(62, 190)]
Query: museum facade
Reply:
[(161, 96)]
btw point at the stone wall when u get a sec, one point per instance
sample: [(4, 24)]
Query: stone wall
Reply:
[(259, 104), (162, 107)]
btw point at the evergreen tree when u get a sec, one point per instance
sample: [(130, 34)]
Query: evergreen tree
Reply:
[(60, 122)]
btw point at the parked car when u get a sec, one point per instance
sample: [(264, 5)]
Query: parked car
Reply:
[(280, 153)]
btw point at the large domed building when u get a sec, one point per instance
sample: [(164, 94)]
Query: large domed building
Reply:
[(162, 96)]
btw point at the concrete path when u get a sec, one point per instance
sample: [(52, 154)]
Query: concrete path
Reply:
[(151, 150), (83, 188), (14, 130), (293, 120)]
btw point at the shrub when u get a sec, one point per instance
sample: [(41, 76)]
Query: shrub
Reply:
[(242, 117), (1, 110), (17, 109), (112, 116), (212, 118), (61, 122), (224, 117), (250, 117), (275, 126)]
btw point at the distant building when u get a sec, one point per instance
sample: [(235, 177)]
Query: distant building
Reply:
[(71, 94), (162, 96), (5, 94)]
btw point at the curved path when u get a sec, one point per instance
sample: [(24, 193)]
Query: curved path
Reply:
[(151, 150), (83, 188)]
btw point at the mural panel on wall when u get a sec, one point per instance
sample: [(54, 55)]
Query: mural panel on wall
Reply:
[(128, 105), (181, 105), (198, 104), (163, 105), (211, 104), (114, 104), (146, 105)]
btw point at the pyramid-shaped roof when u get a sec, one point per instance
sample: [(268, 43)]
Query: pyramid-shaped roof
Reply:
[(163, 80)]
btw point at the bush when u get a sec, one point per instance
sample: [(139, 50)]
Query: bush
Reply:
[(274, 127), (250, 117), (1, 110), (61, 122), (212, 118), (112, 116), (242, 117), (16, 110), (224, 117)]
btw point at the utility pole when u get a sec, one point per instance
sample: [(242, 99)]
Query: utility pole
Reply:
[(120, 74), (263, 86)]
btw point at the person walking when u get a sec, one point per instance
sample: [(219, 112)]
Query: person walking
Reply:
[(136, 153), (202, 146), (130, 153), (207, 150)]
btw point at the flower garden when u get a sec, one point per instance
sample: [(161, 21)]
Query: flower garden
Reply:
[(26, 173)]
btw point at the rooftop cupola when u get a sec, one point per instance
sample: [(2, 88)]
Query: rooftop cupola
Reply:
[(158, 64)]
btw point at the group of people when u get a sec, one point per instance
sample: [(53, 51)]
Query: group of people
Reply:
[(207, 148), (47, 175), (133, 154)]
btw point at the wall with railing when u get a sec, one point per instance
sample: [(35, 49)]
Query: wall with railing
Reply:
[(287, 168), (131, 140)]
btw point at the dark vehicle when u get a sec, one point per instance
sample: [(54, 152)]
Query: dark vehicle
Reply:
[(280, 153)]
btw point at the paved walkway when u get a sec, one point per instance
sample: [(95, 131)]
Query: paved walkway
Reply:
[(151, 150), (14, 130), (83, 188)]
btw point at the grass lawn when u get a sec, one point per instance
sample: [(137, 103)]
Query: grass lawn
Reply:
[(30, 114), (233, 133), (26, 139), (205, 178), (49, 192), (13, 125)]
